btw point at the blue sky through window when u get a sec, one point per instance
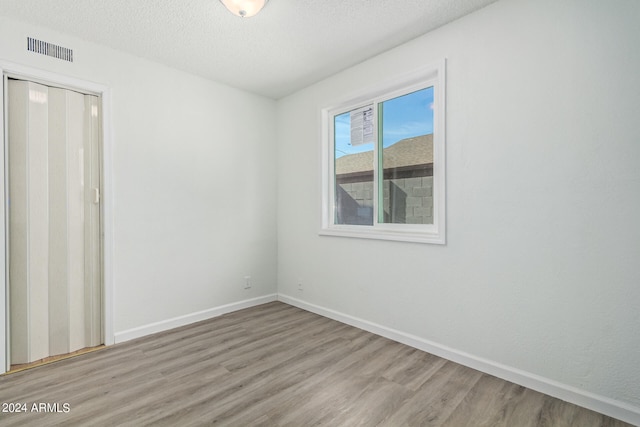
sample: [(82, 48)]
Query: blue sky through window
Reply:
[(404, 117)]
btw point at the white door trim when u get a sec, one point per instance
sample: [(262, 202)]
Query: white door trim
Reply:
[(68, 82)]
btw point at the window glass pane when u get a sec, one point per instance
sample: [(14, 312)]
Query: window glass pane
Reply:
[(353, 157), (406, 133)]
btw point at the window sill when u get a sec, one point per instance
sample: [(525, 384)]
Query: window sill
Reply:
[(413, 236)]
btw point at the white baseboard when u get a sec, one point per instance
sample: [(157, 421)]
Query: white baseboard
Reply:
[(613, 408), (187, 319)]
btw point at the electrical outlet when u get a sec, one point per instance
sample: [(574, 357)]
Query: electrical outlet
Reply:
[(300, 285), (247, 282)]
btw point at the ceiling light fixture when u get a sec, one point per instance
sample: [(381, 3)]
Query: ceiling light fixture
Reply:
[(244, 8)]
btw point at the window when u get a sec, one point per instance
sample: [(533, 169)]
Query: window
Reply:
[(383, 167)]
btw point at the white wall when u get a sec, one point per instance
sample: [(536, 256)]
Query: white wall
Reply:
[(193, 173), (539, 279)]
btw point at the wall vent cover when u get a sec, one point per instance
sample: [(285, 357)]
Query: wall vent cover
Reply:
[(49, 49)]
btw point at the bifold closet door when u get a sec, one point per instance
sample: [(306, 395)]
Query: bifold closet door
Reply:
[(54, 251)]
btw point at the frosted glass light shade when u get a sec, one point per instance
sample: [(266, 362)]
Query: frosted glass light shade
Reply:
[(244, 8)]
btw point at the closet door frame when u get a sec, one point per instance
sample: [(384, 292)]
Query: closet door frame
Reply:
[(22, 72)]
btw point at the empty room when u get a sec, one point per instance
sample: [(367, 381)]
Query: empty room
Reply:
[(298, 212)]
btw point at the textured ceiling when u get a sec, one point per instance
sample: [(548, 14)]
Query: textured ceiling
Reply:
[(289, 45)]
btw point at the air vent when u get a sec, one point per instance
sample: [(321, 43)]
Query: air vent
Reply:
[(49, 49)]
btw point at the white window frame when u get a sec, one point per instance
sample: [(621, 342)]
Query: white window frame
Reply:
[(423, 77)]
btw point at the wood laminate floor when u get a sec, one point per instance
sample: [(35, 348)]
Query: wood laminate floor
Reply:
[(274, 365)]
